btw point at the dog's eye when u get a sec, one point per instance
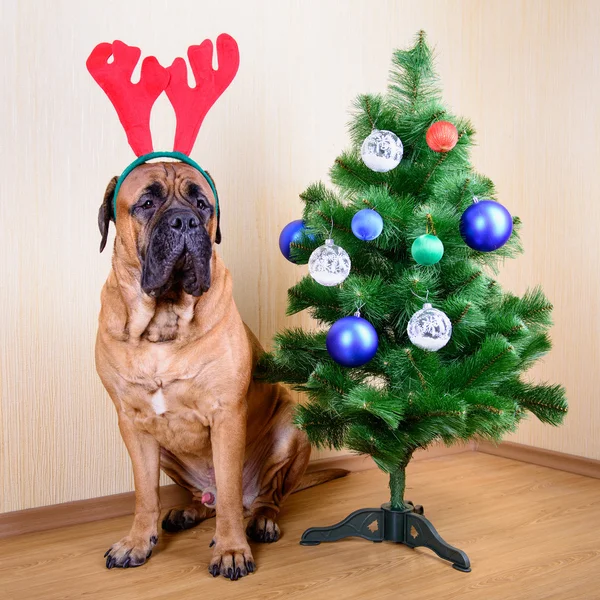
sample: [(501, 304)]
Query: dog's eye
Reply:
[(195, 195), (148, 204)]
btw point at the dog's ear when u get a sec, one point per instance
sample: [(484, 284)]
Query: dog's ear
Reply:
[(105, 214), (218, 234)]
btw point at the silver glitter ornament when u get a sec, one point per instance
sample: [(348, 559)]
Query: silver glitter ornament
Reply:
[(329, 264), (429, 328), (382, 151)]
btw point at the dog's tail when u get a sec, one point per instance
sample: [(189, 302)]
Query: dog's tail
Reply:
[(318, 477)]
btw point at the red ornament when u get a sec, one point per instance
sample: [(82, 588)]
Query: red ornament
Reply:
[(441, 136)]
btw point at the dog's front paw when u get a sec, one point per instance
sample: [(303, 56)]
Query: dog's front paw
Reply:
[(130, 552), (232, 563)]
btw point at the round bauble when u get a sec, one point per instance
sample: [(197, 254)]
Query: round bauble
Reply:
[(329, 264), (486, 226), (429, 328), (442, 136), (352, 341), (367, 224), (427, 250), (382, 151), (292, 232)]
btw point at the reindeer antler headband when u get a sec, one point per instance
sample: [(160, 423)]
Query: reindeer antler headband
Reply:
[(133, 101)]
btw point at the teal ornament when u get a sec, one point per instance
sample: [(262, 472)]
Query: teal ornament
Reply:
[(427, 250)]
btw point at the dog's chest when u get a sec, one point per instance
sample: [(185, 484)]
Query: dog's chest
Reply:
[(158, 402), (177, 421), (164, 325), (167, 396)]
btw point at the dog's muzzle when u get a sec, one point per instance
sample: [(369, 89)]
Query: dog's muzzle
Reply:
[(178, 252)]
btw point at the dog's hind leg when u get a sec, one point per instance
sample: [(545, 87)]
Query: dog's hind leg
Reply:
[(180, 519), (281, 475)]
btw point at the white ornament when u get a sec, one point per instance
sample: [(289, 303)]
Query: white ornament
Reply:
[(429, 328), (329, 264), (382, 151)]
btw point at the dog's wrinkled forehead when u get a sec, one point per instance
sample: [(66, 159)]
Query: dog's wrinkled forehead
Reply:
[(170, 179)]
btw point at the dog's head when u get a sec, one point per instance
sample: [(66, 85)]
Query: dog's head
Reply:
[(167, 223)]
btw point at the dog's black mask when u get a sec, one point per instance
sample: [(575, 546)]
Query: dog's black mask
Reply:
[(177, 254)]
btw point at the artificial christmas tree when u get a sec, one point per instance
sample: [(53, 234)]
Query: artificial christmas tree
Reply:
[(451, 345)]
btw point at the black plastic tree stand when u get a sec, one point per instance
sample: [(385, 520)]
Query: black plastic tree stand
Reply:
[(407, 527)]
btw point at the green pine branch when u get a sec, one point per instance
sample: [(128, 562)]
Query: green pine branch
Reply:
[(412, 77), (547, 402)]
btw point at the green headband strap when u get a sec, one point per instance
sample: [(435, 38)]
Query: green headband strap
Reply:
[(177, 155)]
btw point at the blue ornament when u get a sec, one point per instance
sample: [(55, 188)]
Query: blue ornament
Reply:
[(485, 225), (352, 341), (292, 232), (367, 224)]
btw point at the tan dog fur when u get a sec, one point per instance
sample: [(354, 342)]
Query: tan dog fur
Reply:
[(179, 371)]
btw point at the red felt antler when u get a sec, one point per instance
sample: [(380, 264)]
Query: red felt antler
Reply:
[(132, 101), (192, 104)]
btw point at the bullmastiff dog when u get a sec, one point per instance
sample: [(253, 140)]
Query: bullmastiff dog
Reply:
[(177, 361)]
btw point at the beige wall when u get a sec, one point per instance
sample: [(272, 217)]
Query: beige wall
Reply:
[(525, 72)]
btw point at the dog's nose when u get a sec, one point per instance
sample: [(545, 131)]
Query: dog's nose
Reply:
[(182, 221)]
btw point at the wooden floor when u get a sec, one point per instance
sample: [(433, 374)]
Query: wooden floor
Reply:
[(531, 533)]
